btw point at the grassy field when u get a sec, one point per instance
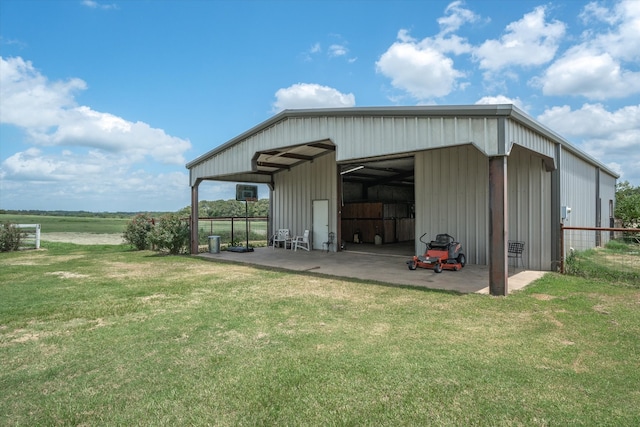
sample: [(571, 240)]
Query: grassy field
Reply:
[(617, 262), (100, 335), (58, 224), (96, 225)]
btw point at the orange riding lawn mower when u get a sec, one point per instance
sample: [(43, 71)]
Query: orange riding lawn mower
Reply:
[(444, 253)]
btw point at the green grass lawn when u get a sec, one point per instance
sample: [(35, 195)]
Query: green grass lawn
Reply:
[(100, 335), (617, 262), (57, 224)]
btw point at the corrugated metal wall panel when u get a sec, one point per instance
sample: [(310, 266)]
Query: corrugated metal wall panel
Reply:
[(356, 138), (522, 135), (452, 196), (529, 209), (578, 191), (295, 190), (607, 192), (361, 137), (607, 202)]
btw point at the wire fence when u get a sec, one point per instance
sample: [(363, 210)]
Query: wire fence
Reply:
[(607, 253), (233, 230)]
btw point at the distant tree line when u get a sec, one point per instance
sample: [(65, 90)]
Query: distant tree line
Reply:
[(206, 209), (228, 208), (81, 214)]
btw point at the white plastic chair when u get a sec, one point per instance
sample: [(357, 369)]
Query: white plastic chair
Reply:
[(282, 236), (301, 242)]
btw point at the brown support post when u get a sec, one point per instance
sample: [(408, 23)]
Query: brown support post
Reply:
[(193, 226), (498, 227), (339, 210)]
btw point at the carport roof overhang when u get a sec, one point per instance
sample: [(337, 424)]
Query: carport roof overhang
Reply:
[(280, 150)]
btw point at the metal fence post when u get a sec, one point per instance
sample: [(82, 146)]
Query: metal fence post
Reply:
[(562, 248)]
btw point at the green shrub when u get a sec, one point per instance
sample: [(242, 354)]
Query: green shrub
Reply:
[(137, 231), (617, 246), (171, 233), (10, 237)]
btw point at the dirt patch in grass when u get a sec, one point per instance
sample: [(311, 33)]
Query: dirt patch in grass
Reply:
[(154, 297), (119, 269), (38, 258), (543, 297), (28, 260), (83, 238), (67, 275)]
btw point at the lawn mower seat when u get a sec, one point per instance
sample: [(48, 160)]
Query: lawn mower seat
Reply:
[(442, 242)]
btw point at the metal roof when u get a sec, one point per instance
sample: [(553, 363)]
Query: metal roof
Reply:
[(390, 171)]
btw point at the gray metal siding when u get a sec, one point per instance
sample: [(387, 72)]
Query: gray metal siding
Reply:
[(452, 196), (295, 190), (360, 137), (519, 134), (371, 132), (529, 208), (355, 138), (607, 193), (578, 191)]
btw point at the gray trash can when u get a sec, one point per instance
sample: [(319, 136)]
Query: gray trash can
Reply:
[(214, 244)]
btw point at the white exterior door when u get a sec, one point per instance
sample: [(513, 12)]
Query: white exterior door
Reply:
[(320, 223)]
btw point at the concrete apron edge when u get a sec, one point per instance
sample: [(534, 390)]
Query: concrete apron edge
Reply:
[(519, 281), (305, 263)]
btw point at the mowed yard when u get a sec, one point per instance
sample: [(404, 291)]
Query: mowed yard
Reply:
[(102, 335)]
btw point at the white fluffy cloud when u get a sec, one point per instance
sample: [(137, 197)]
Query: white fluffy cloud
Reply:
[(308, 95), (96, 181), (455, 17), (422, 68), (338, 50), (419, 68), (501, 99), (604, 134), (49, 115), (29, 100), (531, 41), (85, 157), (95, 5), (34, 165), (595, 121), (592, 74), (605, 64), (620, 39)]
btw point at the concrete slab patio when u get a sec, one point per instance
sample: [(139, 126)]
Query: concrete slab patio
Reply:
[(382, 267)]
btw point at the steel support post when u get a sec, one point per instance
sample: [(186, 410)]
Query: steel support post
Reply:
[(556, 226), (193, 226), (498, 227)]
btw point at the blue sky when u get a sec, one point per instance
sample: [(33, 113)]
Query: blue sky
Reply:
[(102, 102)]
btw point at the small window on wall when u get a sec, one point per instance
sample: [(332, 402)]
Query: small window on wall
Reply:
[(612, 221), (610, 208)]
